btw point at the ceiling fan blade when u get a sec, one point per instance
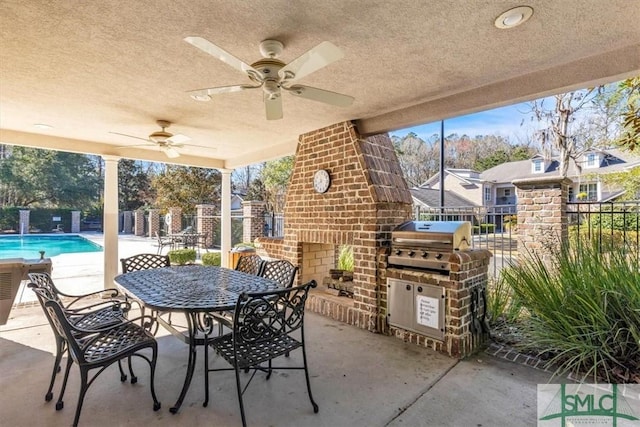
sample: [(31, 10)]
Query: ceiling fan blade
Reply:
[(312, 60), (273, 106), (320, 95), (130, 136), (205, 94), (178, 139), (224, 56), (171, 152)]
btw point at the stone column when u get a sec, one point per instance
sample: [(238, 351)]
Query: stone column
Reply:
[(127, 222), (253, 220), (75, 221), (138, 221), (176, 220), (154, 222), (207, 222), (23, 223), (542, 215), (110, 220), (225, 213)]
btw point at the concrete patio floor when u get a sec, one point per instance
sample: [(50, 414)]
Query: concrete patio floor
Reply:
[(357, 378)]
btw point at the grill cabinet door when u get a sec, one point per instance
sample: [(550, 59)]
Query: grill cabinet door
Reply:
[(400, 303)]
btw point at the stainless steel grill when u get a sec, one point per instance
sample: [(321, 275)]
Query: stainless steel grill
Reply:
[(428, 244)]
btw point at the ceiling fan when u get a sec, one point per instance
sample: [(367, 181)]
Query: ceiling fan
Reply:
[(274, 76), (166, 141)]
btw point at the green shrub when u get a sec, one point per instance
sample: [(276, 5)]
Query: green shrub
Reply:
[(607, 240), (502, 305), (584, 307), (211, 258), (182, 256), (484, 228)]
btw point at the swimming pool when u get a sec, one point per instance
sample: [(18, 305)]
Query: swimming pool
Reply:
[(28, 246)]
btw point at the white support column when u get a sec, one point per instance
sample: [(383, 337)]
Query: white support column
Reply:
[(110, 220), (225, 213)]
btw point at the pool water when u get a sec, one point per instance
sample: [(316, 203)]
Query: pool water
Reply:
[(29, 246)]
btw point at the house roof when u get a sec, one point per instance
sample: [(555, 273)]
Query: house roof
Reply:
[(615, 160), (93, 70), (431, 197)]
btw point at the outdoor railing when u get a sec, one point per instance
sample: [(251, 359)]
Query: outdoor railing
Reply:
[(610, 224), (273, 224)]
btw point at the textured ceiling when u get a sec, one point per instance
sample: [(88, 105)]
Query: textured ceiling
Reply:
[(89, 68)]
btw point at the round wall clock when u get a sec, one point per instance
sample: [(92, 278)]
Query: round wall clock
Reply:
[(321, 180)]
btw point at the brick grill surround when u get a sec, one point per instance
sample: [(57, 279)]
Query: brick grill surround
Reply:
[(367, 199)]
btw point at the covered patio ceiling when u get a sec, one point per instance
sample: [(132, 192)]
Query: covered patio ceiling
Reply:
[(91, 68)]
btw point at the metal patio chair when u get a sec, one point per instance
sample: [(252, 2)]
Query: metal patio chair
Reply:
[(145, 262), (86, 311), (280, 271), (251, 264), (162, 242), (263, 327), (97, 348)]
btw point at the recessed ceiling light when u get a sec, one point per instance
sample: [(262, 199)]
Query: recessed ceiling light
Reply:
[(43, 126), (513, 17)]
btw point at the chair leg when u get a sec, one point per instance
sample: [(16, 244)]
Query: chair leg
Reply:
[(269, 370), (60, 402), (83, 390), (60, 349), (134, 379), (152, 364), (123, 376), (206, 372), (239, 387), (306, 375)]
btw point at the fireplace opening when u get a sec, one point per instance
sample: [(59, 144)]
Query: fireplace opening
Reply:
[(329, 265)]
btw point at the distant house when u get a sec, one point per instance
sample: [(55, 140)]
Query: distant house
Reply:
[(587, 183), (494, 187), (430, 198)]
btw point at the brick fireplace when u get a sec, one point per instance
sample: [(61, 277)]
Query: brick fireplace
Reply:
[(366, 199)]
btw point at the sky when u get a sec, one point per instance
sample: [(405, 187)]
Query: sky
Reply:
[(513, 122)]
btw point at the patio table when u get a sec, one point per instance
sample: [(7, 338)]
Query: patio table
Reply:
[(187, 240), (197, 291)]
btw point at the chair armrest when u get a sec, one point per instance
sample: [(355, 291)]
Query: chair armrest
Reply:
[(116, 305), (108, 293), (87, 332)]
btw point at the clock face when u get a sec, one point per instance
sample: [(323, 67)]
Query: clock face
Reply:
[(321, 181)]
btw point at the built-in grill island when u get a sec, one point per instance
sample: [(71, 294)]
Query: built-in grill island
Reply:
[(436, 286), (428, 244)]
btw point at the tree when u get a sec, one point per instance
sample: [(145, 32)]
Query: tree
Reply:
[(418, 158), (134, 185), (580, 121), (630, 137), (256, 191), (186, 187), (276, 175), (45, 178), (629, 180)]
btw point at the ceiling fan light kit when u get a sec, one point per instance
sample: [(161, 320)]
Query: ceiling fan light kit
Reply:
[(273, 75), (165, 141)]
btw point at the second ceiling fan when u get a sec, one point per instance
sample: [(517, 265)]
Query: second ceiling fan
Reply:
[(274, 76)]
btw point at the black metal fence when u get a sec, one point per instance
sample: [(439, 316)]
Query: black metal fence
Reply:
[(610, 224), (273, 224)]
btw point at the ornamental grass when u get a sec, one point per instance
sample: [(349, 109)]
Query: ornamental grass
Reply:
[(583, 310)]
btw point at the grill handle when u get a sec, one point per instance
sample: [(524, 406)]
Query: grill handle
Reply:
[(419, 241)]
